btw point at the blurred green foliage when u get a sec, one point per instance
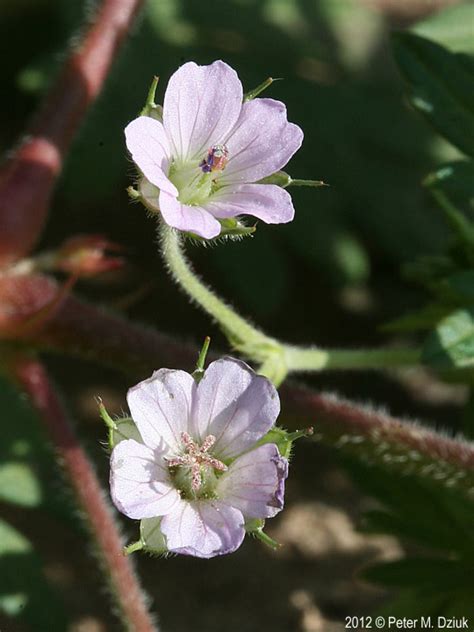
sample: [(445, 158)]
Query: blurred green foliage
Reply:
[(342, 87), (339, 85), (26, 479), (437, 578)]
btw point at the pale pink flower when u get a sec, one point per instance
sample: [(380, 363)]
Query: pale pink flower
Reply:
[(197, 469), (204, 161)]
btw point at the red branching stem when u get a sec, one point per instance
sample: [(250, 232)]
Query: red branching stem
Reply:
[(28, 178), (33, 379), (82, 330), (338, 417)]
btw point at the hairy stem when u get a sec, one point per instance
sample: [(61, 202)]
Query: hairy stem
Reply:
[(83, 330), (27, 179), (237, 328), (32, 378), (375, 437), (277, 359)]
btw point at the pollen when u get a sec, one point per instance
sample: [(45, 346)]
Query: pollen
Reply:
[(196, 456), (216, 159)]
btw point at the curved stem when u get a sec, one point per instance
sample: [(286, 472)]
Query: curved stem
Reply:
[(314, 359), (277, 359), (83, 330), (31, 376), (237, 328), (28, 178)]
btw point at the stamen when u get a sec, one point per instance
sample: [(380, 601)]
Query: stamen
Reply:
[(178, 460), (208, 442), (195, 457), (216, 159)]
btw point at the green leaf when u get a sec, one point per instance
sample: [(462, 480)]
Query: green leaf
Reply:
[(440, 87), (451, 344), (461, 285), (423, 319), (452, 27), (23, 589), (456, 181), (22, 452), (19, 485)]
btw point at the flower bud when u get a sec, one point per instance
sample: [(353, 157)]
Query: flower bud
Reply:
[(86, 255)]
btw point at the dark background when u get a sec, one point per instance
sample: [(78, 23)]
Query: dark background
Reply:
[(332, 277)]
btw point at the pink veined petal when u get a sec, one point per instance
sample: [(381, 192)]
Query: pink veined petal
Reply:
[(193, 219), (267, 202), (201, 105), (255, 482), (261, 143), (139, 481), (203, 528), (147, 143), (235, 405), (160, 407)]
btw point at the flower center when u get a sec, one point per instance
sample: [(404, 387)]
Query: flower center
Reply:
[(197, 181), (216, 159), (194, 469)]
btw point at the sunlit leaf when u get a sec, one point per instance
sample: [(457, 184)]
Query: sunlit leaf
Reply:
[(452, 27), (24, 592), (440, 86), (451, 344)]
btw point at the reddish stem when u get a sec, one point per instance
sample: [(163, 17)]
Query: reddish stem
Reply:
[(28, 178), (81, 329), (33, 379), (337, 417)]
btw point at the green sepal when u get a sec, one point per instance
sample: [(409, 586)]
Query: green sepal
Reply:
[(119, 429), (198, 372), (150, 108), (251, 94), (133, 194), (232, 228), (284, 180), (284, 440), (280, 178), (254, 527), (151, 538)]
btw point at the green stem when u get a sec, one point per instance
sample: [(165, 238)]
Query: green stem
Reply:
[(313, 359), (242, 333), (276, 358)]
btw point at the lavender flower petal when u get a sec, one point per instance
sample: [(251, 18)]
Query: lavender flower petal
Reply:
[(203, 528), (267, 202), (139, 481), (192, 219), (147, 142), (160, 407), (235, 405), (261, 143), (201, 105), (255, 482)]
